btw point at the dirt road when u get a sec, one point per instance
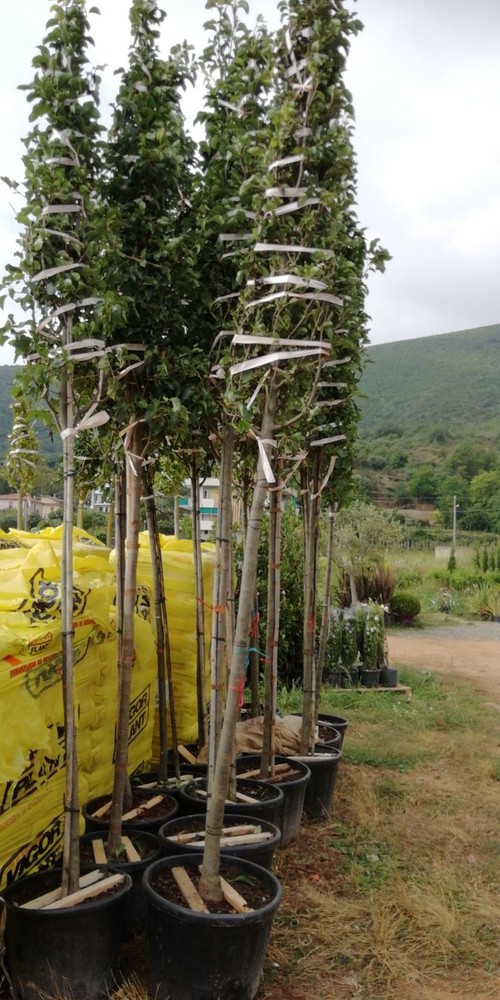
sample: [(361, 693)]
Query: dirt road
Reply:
[(466, 649)]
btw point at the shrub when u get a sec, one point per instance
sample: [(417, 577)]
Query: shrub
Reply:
[(405, 606)]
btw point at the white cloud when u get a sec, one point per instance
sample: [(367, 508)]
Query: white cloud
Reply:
[(425, 78)]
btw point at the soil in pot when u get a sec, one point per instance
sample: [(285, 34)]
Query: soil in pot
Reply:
[(203, 955), (318, 801), (257, 799), (337, 721), (63, 952), (148, 848), (258, 850), (151, 811), (293, 783)]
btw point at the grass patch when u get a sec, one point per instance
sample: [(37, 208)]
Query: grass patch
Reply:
[(397, 894)]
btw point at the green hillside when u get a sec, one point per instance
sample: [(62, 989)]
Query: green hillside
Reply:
[(50, 448), (451, 380), (430, 425)]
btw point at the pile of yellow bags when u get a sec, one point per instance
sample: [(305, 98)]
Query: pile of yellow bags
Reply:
[(31, 708)]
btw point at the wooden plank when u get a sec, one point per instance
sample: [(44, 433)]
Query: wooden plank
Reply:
[(245, 798), (99, 852), (99, 813), (150, 804), (234, 899), (130, 851), (227, 831), (184, 752), (51, 897), (279, 769), (88, 893), (247, 838), (189, 890)]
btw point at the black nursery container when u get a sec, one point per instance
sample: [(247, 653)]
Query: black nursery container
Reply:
[(268, 806), (293, 789), (205, 956), (70, 952), (318, 802), (261, 853)]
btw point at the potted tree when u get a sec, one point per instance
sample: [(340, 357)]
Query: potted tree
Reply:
[(55, 282)]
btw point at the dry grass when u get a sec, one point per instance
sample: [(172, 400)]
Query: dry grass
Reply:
[(395, 897)]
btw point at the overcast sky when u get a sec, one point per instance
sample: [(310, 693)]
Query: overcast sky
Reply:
[(425, 78)]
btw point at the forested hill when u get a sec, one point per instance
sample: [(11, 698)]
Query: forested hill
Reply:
[(450, 381), (7, 373), (432, 386), (49, 448)]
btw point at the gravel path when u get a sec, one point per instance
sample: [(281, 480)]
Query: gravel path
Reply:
[(467, 649)]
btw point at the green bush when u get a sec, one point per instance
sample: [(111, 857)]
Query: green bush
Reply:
[(405, 606)]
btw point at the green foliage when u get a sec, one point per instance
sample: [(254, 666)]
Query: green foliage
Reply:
[(452, 562), (363, 535), (449, 438), (405, 606)]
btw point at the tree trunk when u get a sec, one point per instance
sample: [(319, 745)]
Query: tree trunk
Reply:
[(254, 660), (110, 525), (71, 836), (200, 614), (20, 512), (309, 626), (161, 625), (325, 617), (133, 449), (177, 525), (218, 651), (272, 638), (79, 513), (210, 887)]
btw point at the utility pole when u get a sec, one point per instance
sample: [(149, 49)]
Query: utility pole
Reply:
[(454, 542)]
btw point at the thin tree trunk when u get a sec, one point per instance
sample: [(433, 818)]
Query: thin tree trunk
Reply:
[(325, 616), (254, 660), (309, 627), (272, 638), (177, 520), (133, 474), (20, 513), (161, 624), (200, 613), (210, 887), (218, 652), (79, 513), (110, 524), (71, 848)]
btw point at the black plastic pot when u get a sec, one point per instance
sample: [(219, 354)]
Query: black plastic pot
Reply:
[(318, 801), (149, 823), (389, 677), (150, 847), (260, 854), (72, 952), (338, 723), (202, 955), (370, 678), (267, 807), (329, 734), (293, 789)]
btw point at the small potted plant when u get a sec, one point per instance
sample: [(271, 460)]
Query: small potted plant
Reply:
[(333, 652), (349, 650), (373, 643)]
